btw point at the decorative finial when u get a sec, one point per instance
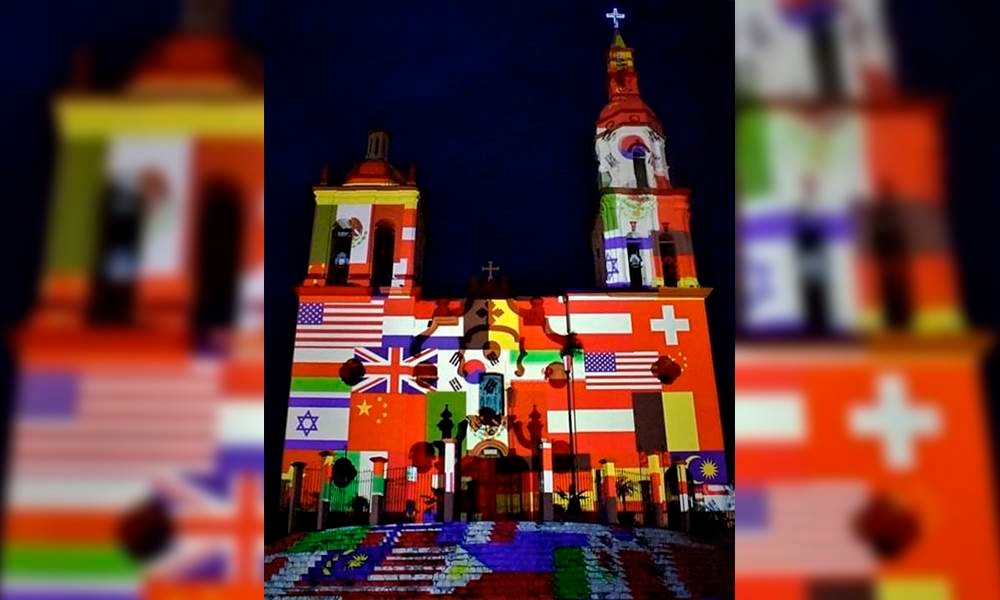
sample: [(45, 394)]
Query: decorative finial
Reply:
[(489, 269), (324, 176), (614, 15), (205, 16)]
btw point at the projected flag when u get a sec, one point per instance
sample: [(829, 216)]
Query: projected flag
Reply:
[(620, 371), (219, 538), (99, 422), (339, 324), (391, 370)]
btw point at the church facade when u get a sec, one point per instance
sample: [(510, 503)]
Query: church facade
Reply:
[(617, 375)]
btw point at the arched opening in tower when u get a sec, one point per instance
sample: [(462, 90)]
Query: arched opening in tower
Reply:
[(633, 248), (639, 166), (112, 299), (383, 249), (889, 242), (339, 262), (668, 257), (220, 234)]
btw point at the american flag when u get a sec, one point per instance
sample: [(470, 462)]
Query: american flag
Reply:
[(390, 370), (620, 371), (803, 529), (339, 324), (109, 422)]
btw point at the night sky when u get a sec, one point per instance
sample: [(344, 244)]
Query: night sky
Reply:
[(496, 105)]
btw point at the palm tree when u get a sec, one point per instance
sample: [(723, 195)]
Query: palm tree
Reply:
[(624, 487), (573, 499)]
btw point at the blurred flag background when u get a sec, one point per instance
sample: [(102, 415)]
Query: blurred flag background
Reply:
[(135, 315), (867, 260)]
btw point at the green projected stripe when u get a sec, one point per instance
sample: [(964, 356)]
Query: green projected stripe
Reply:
[(609, 214), (343, 539), (319, 384), (319, 249), (68, 561), (752, 165), (73, 223)]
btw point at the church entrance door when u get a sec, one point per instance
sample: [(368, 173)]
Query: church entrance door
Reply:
[(494, 489)]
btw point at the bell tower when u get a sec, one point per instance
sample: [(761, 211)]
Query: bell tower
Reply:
[(365, 230), (642, 236)]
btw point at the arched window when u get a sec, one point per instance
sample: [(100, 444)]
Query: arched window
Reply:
[(639, 166), (633, 249), (383, 250), (220, 228), (338, 265), (115, 271), (889, 244), (668, 258)]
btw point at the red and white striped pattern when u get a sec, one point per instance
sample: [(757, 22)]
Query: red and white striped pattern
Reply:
[(621, 371), (809, 531), (125, 423), (345, 325)]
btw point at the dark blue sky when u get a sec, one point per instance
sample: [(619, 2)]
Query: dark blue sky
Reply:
[(496, 105)]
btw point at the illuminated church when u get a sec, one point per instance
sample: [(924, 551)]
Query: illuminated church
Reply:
[(616, 376)]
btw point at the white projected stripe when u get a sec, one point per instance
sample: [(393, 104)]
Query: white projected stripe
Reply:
[(593, 323), (392, 325), (776, 417), (86, 492), (241, 423), (592, 420), (322, 355)]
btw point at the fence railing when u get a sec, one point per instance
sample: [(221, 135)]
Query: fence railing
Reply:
[(412, 496)]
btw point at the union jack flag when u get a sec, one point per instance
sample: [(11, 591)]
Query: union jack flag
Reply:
[(217, 538), (393, 370)]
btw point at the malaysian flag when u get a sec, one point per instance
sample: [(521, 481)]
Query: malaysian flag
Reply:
[(113, 422), (391, 370), (339, 325), (621, 371)]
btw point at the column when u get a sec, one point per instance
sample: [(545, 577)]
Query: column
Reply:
[(657, 489), (685, 498), (293, 503), (546, 487), (449, 480), (610, 493), (411, 495), (326, 476), (378, 488)]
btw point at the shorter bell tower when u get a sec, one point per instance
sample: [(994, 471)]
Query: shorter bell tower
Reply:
[(365, 230)]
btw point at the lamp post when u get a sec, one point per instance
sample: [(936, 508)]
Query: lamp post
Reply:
[(570, 405)]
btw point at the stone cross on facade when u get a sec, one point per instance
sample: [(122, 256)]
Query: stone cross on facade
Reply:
[(490, 269), (614, 15)]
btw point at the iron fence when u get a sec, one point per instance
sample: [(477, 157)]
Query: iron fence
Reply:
[(410, 495)]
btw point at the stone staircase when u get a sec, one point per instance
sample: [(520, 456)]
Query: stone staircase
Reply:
[(497, 560)]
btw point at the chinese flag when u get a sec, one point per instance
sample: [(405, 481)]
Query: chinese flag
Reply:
[(392, 422)]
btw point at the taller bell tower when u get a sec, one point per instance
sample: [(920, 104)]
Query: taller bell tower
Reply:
[(642, 236)]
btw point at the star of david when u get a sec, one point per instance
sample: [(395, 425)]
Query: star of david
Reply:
[(306, 429), (612, 266)]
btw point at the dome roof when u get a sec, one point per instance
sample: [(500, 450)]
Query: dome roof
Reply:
[(374, 172)]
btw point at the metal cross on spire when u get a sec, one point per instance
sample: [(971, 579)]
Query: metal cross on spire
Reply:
[(614, 15), (489, 269)]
